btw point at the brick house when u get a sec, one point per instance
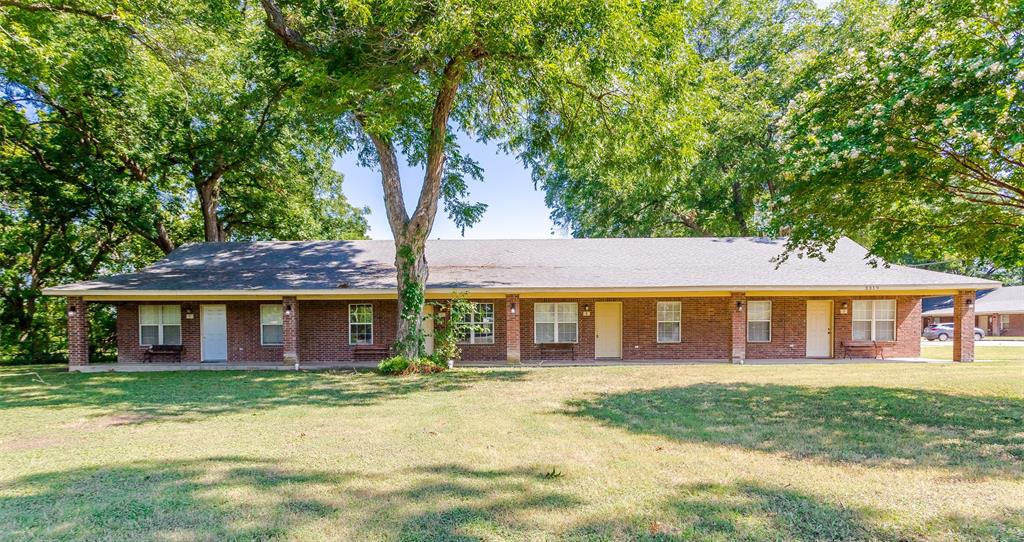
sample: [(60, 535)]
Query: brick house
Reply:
[(333, 303), (999, 312)]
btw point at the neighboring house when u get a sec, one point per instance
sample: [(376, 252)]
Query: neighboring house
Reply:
[(568, 300), (999, 312)]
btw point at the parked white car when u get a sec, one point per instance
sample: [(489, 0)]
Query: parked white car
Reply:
[(943, 332)]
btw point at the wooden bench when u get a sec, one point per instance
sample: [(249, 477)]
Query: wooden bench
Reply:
[(876, 348), (164, 350), (370, 352)]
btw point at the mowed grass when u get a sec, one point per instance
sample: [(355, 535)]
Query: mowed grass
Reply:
[(694, 452), (944, 351)]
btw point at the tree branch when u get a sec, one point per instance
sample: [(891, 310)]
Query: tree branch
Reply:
[(62, 8), (290, 37), (394, 201), (426, 207)]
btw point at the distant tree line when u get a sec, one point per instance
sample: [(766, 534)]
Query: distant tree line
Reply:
[(124, 134), (899, 124)]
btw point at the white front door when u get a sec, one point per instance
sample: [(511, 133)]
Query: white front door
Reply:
[(428, 328), (214, 325), (608, 330), (819, 329)]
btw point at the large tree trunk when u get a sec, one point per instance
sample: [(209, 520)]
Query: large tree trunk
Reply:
[(411, 232), (410, 249), (209, 198), (411, 264)]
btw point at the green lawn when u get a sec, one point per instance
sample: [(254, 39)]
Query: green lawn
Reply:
[(698, 452), (944, 351)]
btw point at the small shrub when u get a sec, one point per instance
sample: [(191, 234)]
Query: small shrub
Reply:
[(393, 366), (401, 365)]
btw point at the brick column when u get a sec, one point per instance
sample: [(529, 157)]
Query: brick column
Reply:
[(78, 332), (738, 337), (963, 326), (290, 314), (512, 312)]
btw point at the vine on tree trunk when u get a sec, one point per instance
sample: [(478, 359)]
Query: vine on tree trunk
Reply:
[(412, 296)]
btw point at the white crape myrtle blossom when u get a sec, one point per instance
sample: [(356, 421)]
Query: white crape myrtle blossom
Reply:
[(937, 87)]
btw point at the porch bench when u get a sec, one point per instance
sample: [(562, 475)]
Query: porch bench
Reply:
[(174, 351), (876, 348), (556, 346), (370, 352)]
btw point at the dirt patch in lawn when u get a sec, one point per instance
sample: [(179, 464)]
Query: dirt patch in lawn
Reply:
[(31, 443), (110, 420)]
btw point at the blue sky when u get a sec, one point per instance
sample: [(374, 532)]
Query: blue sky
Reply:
[(514, 209)]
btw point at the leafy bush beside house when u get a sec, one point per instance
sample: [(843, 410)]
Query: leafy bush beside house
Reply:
[(450, 319)]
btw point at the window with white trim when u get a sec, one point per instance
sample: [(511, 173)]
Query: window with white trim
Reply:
[(555, 323), (159, 324), (759, 321), (360, 324), (1004, 321), (271, 325), (670, 321), (874, 320), (478, 325)]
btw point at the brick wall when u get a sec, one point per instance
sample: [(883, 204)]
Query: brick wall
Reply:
[(1016, 327), (706, 325), (706, 329), (489, 352), (582, 350), (323, 329), (789, 330), (128, 348), (244, 334), (908, 325), (78, 331), (963, 325), (513, 330)]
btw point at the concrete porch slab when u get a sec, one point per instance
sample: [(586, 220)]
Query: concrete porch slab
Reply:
[(120, 367), (241, 366)]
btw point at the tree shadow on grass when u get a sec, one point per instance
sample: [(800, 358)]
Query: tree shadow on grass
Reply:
[(735, 512), (246, 498), (192, 395), (241, 498), (167, 499), (857, 424), (746, 511)]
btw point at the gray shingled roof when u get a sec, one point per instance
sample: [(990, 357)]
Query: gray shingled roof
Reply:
[(1006, 300), (684, 263)]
